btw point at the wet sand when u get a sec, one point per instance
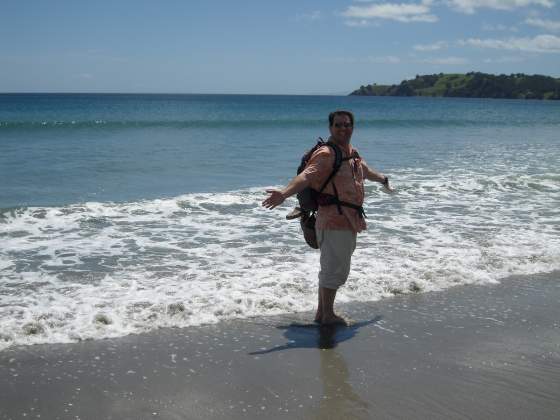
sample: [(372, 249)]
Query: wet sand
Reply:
[(471, 352)]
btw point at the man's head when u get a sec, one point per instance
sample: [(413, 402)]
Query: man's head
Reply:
[(341, 124)]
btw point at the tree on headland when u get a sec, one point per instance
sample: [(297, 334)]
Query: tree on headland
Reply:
[(470, 85)]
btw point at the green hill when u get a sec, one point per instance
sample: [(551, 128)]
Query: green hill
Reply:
[(470, 85)]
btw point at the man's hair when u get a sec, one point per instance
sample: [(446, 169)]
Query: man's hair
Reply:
[(334, 114)]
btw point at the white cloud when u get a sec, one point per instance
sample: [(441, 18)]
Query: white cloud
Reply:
[(388, 59), (446, 61), (360, 23), (539, 44), (498, 27), (403, 12), (504, 59), (550, 25), (470, 6), (340, 60), (84, 76), (431, 47), (315, 15)]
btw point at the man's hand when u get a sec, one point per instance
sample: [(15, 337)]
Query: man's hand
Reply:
[(386, 187), (275, 199)]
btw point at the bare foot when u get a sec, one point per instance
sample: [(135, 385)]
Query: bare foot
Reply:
[(334, 320), (318, 317)]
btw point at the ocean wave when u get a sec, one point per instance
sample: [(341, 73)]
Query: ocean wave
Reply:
[(271, 123), (95, 270)]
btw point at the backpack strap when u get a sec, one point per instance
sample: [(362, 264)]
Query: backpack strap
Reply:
[(337, 200), (329, 200), (333, 199), (336, 165)]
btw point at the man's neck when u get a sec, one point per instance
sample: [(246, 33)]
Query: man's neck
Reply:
[(345, 146)]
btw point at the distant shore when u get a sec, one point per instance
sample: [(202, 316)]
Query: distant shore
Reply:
[(470, 85), (484, 352)]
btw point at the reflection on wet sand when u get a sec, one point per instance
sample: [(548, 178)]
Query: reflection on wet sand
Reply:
[(339, 400)]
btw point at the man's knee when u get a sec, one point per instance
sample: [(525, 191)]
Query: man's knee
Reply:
[(336, 253), (331, 283)]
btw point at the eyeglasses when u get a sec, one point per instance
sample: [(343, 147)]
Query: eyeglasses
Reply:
[(345, 125)]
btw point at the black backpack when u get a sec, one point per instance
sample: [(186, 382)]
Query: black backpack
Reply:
[(310, 199)]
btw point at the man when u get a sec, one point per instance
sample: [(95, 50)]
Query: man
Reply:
[(337, 225)]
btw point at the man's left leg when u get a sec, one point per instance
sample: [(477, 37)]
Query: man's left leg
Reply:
[(325, 307), (319, 313), (337, 248), (329, 317)]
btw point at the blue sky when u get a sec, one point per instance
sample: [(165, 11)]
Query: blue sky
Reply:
[(277, 47)]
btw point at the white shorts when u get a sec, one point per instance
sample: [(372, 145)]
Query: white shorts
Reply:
[(337, 247)]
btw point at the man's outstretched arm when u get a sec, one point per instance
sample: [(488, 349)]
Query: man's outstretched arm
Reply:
[(277, 197), (373, 175)]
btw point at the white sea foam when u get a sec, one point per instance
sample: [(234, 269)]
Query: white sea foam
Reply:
[(99, 270)]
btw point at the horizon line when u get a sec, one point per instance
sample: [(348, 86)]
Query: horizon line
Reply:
[(163, 93)]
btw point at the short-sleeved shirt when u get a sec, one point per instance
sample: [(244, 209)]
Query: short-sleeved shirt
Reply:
[(349, 181)]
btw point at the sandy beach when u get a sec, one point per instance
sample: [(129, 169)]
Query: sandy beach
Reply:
[(470, 352)]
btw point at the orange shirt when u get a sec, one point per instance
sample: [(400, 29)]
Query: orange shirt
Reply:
[(349, 181)]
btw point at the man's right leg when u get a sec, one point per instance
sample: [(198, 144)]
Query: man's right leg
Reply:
[(327, 299), (336, 252), (319, 313)]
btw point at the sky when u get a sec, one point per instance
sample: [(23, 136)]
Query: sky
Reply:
[(267, 47)]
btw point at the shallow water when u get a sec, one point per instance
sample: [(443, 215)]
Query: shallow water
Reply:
[(124, 213)]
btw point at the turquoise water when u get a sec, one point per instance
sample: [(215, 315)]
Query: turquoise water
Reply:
[(144, 210), (63, 149)]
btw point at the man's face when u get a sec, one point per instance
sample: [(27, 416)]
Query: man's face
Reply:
[(341, 129)]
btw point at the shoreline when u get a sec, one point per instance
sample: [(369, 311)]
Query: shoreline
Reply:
[(490, 351)]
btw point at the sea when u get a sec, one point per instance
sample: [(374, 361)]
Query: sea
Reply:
[(121, 214)]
